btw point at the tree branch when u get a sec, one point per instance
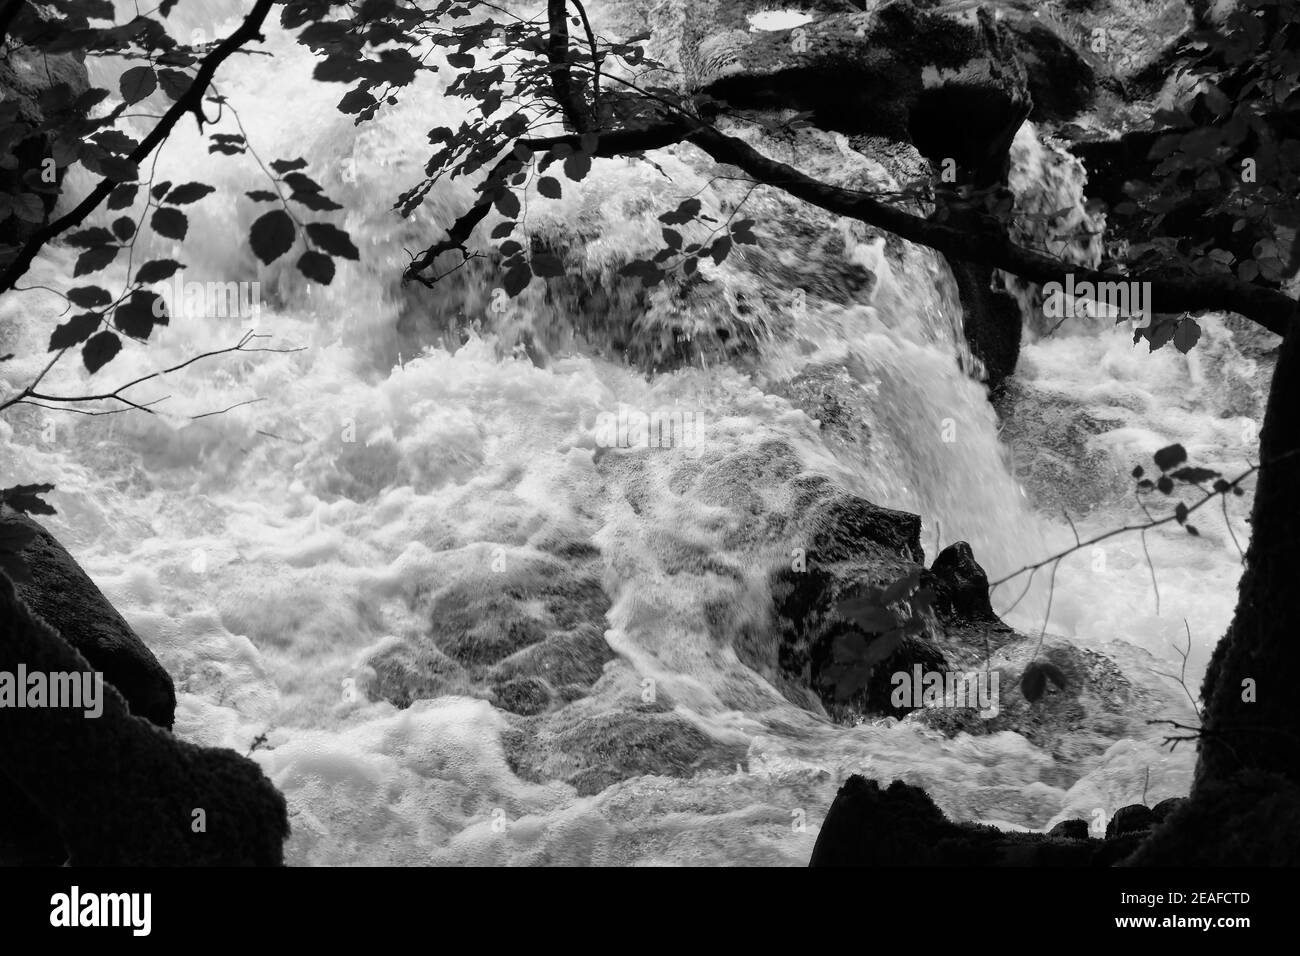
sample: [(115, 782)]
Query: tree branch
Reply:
[(1269, 308), (190, 102)]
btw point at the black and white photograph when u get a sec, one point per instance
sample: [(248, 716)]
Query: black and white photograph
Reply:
[(573, 434)]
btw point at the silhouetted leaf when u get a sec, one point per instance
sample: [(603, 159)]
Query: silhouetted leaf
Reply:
[(577, 165), (137, 83), (122, 196), (1193, 475), (138, 315), (170, 223), (333, 240), (99, 351), (547, 266), (74, 331), (283, 166), (317, 266), (188, 193), (1171, 456), (89, 296), (92, 260), (272, 235), (549, 187), (157, 270), (683, 214)]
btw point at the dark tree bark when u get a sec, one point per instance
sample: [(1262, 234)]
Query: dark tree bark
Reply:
[(1263, 642)]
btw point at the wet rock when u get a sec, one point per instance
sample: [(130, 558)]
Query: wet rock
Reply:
[(522, 695), (526, 637), (1070, 830), (1250, 819), (1062, 82), (851, 543), (955, 88), (1098, 705), (1054, 450), (868, 825), (593, 751), (116, 789), (1135, 818), (1165, 807), (34, 87), (961, 588), (63, 596)]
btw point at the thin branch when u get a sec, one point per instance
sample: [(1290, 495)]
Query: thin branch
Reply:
[(191, 101)]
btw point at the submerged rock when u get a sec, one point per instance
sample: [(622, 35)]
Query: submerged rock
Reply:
[(116, 789), (527, 636), (593, 751)]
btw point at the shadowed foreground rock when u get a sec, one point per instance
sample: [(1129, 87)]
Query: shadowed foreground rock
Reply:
[(118, 790), (62, 595), (901, 826)]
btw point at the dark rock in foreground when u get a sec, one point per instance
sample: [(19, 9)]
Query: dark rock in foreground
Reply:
[(62, 595), (901, 826), (118, 790)]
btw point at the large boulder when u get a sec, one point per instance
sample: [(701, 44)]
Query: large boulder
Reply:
[(62, 594), (118, 790), (953, 87)]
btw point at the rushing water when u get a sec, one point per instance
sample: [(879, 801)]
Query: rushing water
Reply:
[(265, 554)]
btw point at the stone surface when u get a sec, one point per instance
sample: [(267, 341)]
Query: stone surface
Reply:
[(63, 595), (116, 789)]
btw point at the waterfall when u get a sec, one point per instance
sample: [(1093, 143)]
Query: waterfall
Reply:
[(268, 554)]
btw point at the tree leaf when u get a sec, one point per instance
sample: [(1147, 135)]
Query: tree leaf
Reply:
[(157, 270), (92, 260), (333, 240), (317, 266), (137, 83), (547, 265), (1171, 456), (188, 193), (89, 296), (272, 235), (549, 187), (577, 165), (75, 331), (99, 351), (138, 315), (1193, 475), (170, 223)]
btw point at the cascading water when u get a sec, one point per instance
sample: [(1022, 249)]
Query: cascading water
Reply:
[(269, 553)]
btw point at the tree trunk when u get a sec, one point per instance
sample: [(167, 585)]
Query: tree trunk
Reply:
[(1261, 650)]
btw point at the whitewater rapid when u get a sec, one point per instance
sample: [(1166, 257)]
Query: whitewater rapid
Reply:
[(267, 553)]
